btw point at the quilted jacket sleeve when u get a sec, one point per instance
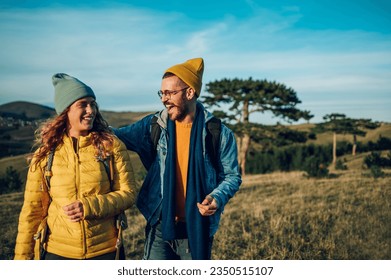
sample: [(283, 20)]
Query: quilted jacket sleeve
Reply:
[(30, 215), (124, 191)]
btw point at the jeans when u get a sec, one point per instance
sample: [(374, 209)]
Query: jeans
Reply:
[(156, 248), (50, 256)]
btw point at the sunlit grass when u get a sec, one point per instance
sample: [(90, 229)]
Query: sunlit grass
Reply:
[(278, 216), (291, 217)]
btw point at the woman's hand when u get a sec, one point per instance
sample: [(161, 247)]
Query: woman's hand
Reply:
[(74, 211)]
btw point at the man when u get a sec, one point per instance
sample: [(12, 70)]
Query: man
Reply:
[(184, 193)]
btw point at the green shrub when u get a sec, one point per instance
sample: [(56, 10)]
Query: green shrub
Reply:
[(339, 165), (315, 167), (11, 181), (376, 171), (375, 159)]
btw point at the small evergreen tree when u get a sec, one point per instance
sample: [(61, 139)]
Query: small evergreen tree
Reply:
[(315, 167), (340, 124), (11, 181)]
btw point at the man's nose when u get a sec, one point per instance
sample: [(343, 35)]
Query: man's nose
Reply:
[(165, 97)]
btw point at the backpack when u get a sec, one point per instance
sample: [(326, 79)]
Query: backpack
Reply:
[(212, 141), (121, 221)]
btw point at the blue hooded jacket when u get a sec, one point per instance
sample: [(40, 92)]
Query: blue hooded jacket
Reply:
[(223, 181)]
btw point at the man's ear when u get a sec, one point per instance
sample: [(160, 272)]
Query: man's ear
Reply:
[(190, 93)]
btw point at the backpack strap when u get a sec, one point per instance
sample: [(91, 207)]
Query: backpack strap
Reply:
[(40, 236), (121, 220), (212, 142), (155, 132), (48, 169), (108, 164)]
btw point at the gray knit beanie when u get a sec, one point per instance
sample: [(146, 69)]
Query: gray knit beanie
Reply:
[(67, 90)]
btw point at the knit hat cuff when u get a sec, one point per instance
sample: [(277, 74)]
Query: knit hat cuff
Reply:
[(68, 90)]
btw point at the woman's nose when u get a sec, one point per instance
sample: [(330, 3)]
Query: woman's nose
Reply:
[(89, 108)]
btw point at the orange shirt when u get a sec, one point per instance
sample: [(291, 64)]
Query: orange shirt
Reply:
[(182, 141)]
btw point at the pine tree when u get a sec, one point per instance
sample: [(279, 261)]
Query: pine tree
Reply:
[(246, 97), (340, 124)]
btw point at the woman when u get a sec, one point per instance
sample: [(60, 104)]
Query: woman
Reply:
[(81, 217)]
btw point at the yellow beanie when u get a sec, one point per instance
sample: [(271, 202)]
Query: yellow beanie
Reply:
[(189, 72)]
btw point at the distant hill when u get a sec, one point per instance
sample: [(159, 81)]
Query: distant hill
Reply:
[(19, 120), (17, 133), (26, 111)]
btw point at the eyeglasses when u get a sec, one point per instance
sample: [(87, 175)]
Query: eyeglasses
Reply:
[(169, 93)]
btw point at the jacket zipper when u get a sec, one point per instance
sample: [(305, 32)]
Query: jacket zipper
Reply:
[(82, 225)]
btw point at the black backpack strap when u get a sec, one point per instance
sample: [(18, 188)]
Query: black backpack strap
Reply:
[(212, 143), (108, 164), (155, 132), (213, 130), (48, 169), (121, 220)]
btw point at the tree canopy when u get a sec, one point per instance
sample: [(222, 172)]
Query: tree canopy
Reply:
[(245, 97), (340, 124)]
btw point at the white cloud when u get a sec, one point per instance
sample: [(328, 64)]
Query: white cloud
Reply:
[(123, 52)]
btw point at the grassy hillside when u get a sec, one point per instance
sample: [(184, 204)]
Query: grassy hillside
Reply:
[(273, 216), (278, 216), (283, 216), (19, 163), (129, 117), (383, 130), (118, 119), (19, 120)]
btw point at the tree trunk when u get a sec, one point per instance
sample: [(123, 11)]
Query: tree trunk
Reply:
[(239, 141), (354, 145), (245, 139), (245, 144), (334, 148)]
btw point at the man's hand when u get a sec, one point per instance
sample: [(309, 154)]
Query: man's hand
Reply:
[(74, 211), (208, 206)]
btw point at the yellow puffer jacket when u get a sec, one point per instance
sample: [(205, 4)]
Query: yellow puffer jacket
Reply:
[(77, 176)]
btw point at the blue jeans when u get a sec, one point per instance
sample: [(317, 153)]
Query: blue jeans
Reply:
[(156, 248)]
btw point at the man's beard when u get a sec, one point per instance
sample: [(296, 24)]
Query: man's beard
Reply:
[(179, 113)]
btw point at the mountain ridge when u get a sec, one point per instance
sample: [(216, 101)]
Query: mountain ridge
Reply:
[(20, 119)]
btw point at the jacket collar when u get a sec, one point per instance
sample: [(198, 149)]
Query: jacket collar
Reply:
[(83, 141), (162, 115)]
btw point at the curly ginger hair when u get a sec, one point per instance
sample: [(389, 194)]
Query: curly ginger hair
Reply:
[(50, 135)]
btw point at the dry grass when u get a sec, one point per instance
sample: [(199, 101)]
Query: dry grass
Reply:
[(285, 216), (10, 205), (278, 216)]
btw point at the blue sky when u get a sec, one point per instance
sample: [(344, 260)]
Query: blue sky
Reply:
[(335, 54)]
